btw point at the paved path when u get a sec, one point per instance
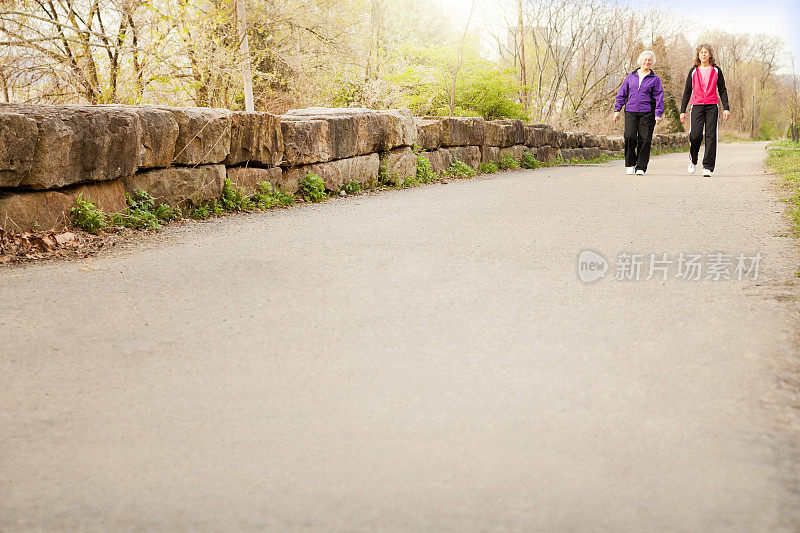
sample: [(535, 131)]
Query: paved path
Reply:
[(415, 360)]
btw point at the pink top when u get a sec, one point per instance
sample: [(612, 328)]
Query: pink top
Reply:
[(704, 86)]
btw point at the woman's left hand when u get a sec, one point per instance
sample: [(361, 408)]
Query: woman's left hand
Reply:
[(658, 120), (726, 115)]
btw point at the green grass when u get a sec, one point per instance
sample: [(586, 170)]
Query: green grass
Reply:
[(783, 160)]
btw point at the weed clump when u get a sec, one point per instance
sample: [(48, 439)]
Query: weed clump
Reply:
[(528, 161), (143, 213), (268, 196), (312, 188), (425, 172), (352, 187), (490, 167), (87, 216), (507, 162), (233, 199), (459, 169)]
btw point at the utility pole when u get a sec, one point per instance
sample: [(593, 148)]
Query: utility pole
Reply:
[(244, 48)]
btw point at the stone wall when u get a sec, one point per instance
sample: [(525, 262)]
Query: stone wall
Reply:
[(51, 154)]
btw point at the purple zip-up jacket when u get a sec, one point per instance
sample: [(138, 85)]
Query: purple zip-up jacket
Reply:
[(647, 98)]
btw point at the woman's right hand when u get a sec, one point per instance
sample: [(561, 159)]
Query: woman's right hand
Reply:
[(616, 116), (683, 118)]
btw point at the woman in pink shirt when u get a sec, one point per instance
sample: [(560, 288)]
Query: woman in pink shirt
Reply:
[(703, 83)]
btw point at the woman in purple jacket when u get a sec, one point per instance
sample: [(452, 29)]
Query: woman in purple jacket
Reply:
[(643, 97)]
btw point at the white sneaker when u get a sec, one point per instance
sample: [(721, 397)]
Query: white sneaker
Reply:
[(640, 172), (630, 170), (706, 173), (691, 168)]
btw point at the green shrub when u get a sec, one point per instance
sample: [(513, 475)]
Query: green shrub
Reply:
[(268, 196), (528, 161), (425, 172), (489, 167), (233, 199), (459, 169), (352, 187), (312, 188), (86, 216), (507, 162)]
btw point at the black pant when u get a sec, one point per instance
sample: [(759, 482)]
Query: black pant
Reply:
[(638, 136), (704, 116)]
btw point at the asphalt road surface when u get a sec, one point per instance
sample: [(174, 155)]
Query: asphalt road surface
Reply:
[(424, 359)]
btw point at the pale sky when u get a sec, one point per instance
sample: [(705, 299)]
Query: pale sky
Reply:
[(777, 17)]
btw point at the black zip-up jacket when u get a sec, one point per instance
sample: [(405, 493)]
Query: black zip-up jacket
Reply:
[(687, 90)]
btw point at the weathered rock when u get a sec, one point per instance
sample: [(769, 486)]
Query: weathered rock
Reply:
[(255, 138), (570, 153), (499, 134), (363, 168), (50, 210), (515, 151), (471, 155), (247, 178), (400, 164), (493, 135), (572, 140), (358, 131), (590, 152), (591, 141), (515, 131), (78, 143), (440, 160), (204, 135), (617, 142), (490, 154), (400, 128), (179, 186), (547, 153), (305, 141), (18, 135), (157, 138), (463, 131), (535, 136), (557, 139), (429, 133), (342, 134)]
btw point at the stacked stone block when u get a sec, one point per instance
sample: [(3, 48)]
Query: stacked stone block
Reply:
[(51, 154)]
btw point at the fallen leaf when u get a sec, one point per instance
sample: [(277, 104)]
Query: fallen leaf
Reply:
[(65, 239)]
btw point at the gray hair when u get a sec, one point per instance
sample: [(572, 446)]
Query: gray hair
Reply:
[(646, 52)]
